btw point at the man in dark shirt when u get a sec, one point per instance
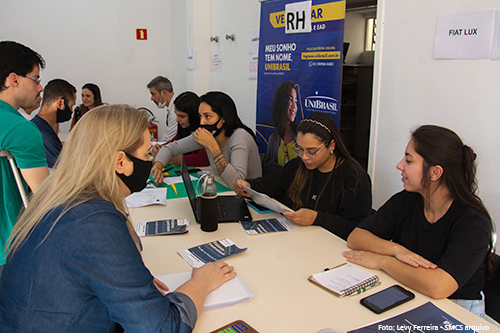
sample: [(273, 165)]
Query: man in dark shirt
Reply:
[(59, 97)]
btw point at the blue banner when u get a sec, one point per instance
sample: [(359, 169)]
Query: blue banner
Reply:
[(300, 65)]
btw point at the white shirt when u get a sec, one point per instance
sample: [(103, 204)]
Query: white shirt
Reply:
[(171, 130)]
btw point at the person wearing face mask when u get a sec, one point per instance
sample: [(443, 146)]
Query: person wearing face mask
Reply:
[(76, 248), (231, 146), (162, 94), (59, 97)]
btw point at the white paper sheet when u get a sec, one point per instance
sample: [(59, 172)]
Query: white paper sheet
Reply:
[(464, 35), (232, 292), (148, 196), (264, 200), (495, 46)]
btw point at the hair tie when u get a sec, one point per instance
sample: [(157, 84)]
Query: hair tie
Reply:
[(318, 123)]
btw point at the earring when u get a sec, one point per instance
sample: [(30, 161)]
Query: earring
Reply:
[(331, 152)]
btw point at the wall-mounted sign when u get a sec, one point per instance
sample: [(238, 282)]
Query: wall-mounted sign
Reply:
[(141, 34)]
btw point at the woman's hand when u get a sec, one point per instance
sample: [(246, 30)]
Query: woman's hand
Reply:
[(157, 172), (162, 287), (413, 259), (238, 188), (364, 258), (155, 149), (205, 138), (303, 216), (213, 274)]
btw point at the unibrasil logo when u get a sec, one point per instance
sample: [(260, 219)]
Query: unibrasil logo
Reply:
[(322, 103)]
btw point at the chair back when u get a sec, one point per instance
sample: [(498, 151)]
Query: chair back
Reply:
[(492, 294), (15, 171)]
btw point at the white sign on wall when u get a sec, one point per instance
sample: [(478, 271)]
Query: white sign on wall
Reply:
[(495, 47), (298, 17), (464, 35)]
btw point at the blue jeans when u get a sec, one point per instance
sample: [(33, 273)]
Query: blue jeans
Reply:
[(476, 306)]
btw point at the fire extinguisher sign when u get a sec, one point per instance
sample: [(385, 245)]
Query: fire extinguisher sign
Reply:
[(141, 34)]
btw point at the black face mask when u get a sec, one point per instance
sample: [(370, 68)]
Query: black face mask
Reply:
[(213, 128), (137, 181), (63, 115)]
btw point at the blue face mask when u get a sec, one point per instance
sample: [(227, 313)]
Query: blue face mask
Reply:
[(137, 181), (213, 128), (63, 115)]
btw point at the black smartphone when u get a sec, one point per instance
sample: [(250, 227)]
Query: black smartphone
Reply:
[(387, 299), (195, 170), (259, 208)]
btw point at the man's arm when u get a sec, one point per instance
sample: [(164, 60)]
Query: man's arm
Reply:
[(34, 177)]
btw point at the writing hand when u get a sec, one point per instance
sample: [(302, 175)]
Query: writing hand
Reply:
[(155, 149), (303, 216)]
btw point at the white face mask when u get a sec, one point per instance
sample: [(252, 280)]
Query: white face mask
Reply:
[(162, 105)]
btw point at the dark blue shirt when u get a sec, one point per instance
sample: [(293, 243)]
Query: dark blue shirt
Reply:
[(85, 276), (51, 142)]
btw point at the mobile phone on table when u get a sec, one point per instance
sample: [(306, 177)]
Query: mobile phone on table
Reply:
[(387, 299), (259, 208)]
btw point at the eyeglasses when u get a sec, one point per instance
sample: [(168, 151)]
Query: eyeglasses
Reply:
[(34, 79), (300, 151)]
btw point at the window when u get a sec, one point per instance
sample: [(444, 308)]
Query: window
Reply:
[(371, 29)]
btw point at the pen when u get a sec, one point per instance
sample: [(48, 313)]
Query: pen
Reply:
[(167, 169), (359, 291), (165, 174)]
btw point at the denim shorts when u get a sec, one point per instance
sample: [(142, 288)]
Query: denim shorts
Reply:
[(476, 306)]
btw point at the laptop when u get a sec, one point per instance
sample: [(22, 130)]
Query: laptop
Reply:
[(230, 208)]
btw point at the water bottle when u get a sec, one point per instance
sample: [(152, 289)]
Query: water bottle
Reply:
[(208, 204)]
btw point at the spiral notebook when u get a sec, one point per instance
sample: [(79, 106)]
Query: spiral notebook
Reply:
[(344, 280)]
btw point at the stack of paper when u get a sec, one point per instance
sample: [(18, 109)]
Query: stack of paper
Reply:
[(232, 292)]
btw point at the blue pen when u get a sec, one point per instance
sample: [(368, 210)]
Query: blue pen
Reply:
[(167, 169)]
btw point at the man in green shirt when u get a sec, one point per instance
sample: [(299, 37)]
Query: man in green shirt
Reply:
[(19, 88)]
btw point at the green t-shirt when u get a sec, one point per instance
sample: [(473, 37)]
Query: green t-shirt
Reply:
[(24, 141)]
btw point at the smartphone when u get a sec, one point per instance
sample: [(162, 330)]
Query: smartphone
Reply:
[(387, 299), (259, 208), (195, 170)]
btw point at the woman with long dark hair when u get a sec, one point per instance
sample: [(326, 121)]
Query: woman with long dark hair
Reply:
[(91, 97), (188, 120), (325, 186), (231, 146), (435, 235), (279, 149)]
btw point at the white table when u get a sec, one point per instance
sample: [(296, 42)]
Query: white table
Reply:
[(276, 267)]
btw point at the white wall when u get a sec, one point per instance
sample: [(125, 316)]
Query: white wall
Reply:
[(411, 88), (235, 17), (94, 41)]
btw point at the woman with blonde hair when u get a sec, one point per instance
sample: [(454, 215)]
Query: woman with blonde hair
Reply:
[(74, 262)]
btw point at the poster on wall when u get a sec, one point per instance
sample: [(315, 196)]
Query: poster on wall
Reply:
[(299, 69)]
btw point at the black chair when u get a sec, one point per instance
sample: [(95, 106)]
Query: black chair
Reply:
[(492, 294)]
